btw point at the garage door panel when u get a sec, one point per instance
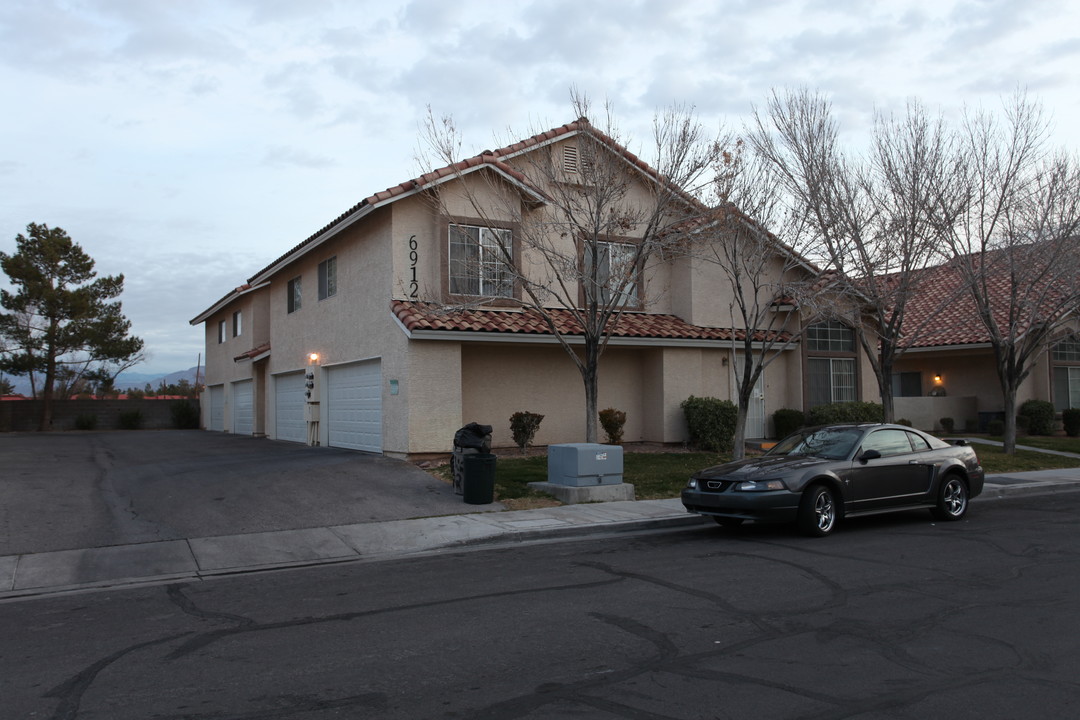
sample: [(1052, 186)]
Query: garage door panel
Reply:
[(289, 400), (243, 408), (354, 400)]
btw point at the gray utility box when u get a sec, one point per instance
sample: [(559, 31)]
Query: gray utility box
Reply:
[(585, 464)]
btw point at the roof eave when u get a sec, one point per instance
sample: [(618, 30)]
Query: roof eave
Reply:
[(223, 302)]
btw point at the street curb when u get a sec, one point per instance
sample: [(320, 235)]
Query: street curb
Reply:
[(620, 526), (508, 537)]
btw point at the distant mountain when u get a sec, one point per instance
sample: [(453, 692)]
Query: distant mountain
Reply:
[(126, 380)]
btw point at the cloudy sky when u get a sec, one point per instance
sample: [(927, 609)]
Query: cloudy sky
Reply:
[(187, 143)]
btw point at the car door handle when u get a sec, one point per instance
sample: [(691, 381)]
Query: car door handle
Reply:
[(914, 462)]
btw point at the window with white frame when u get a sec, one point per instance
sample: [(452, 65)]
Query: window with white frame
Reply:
[(293, 295), (1068, 350), (328, 278), (222, 333), (480, 261), (1065, 356), (831, 336), (237, 323), (831, 379), (615, 265)]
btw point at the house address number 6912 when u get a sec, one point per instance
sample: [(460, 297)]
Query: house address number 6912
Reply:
[(414, 286)]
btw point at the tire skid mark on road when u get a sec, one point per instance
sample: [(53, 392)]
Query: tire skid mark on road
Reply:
[(71, 691), (663, 643), (712, 598), (669, 660), (202, 640), (182, 601)]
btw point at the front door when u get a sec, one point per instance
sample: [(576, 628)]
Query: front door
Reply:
[(755, 412)]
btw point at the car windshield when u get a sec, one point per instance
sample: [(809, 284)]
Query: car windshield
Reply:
[(830, 443)]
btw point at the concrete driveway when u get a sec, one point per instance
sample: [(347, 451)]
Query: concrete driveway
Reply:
[(61, 491)]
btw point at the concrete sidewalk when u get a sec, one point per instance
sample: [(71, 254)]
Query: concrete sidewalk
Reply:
[(196, 558)]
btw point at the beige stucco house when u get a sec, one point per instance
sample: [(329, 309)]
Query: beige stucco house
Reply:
[(396, 373), (948, 366)]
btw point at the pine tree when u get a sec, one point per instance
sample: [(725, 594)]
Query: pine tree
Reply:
[(60, 315)]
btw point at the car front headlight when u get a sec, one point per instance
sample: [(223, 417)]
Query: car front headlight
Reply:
[(760, 485), (692, 483)]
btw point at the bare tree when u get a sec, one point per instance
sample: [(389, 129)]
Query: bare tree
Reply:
[(766, 281), (874, 220), (591, 222), (1015, 249)]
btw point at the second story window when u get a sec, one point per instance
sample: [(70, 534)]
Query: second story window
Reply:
[(221, 331), (614, 268), (237, 323), (480, 261), (293, 295), (328, 278)]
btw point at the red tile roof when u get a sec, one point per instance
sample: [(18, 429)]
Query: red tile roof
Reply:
[(253, 352), (490, 158), (943, 314), (429, 316)]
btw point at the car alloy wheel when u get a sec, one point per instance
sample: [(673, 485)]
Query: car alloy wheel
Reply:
[(817, 511), (952, 499)]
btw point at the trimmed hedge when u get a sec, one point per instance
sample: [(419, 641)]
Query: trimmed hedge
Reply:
[(1040, 416), (711, 422), (847, 412), (612, 421), (523, 426), (1071, 420)]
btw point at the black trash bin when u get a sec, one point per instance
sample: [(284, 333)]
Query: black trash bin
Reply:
[(472, 439), (479, 479)]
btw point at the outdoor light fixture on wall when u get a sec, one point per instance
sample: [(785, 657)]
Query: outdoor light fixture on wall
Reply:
[(313, 358)]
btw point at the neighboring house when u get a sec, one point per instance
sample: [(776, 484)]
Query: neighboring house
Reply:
[(410, 348), (948, 368)]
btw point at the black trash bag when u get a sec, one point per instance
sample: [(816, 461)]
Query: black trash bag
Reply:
[(475, 436)]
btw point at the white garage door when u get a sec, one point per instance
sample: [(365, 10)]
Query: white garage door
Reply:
[(354, 399), (243, 408), (289, 402), (217, 408)]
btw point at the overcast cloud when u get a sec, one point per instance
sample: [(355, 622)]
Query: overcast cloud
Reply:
[(187, 144)]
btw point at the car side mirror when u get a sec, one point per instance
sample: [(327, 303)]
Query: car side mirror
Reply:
[(869, 455)]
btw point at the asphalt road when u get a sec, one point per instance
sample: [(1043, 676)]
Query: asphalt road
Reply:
[(893, 616), (61, 491)]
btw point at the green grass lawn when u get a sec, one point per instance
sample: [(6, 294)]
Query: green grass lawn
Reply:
[(996, 461), (1047, 442)]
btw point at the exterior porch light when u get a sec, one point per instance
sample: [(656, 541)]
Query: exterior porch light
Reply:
[(313, 358), (937, 378)]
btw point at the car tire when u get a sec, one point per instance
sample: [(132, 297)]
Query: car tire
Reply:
[(817, 511), (952, 499), (727, 522)]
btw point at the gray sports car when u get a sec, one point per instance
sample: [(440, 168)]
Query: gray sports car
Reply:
[(820, 475)]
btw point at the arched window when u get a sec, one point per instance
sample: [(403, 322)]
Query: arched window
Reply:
[(1065, 357), (831, 376)]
